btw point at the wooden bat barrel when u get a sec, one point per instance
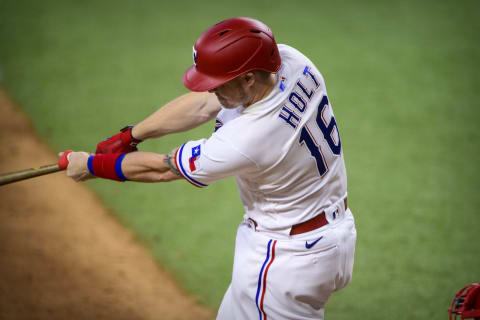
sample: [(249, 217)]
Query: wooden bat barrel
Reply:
[(10, 177)]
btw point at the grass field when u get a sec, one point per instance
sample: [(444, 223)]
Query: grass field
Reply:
[(402, 78)]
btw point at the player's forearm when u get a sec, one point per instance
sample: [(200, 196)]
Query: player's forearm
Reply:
[(184, 113), (149, 167), (134, 166)]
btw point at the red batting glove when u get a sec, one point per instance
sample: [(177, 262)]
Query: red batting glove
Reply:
[(122, 142)]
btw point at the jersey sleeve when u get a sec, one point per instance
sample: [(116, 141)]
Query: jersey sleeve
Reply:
[(202, 162)]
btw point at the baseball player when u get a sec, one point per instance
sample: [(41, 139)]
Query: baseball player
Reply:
[(277, 135)]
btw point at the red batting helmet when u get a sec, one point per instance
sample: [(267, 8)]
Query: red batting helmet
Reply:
[(229, 49), (466, 303)]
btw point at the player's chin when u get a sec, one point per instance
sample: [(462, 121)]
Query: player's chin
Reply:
[(227, 104)]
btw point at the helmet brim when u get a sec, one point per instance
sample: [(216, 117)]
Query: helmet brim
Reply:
[(198, 81)]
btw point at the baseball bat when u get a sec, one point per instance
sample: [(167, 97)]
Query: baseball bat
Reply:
[(15, 176), (11, 177)]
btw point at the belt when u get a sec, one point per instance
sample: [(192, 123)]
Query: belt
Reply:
[(312, 224)]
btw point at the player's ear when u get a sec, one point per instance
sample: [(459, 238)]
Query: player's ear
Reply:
[(249, 78)]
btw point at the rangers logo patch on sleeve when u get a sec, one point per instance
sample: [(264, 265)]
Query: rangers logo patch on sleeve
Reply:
[(195, 155)]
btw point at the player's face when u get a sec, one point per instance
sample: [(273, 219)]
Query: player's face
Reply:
[(233, 93)]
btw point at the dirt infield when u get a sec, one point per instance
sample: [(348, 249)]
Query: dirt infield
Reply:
[(62, 255)]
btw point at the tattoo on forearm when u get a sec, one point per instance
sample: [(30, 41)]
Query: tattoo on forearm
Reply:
[(169, 161)]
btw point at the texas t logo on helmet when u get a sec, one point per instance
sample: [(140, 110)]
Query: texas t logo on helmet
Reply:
[(194, 56)]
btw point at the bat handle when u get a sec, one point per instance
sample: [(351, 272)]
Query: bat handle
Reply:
[(63, 161)]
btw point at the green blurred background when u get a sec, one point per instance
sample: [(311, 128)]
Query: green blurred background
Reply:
[(401, 76)]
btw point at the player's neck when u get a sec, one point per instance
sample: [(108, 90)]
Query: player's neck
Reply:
[(262, 89)]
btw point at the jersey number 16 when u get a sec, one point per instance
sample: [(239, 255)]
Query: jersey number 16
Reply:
[(306, 137)]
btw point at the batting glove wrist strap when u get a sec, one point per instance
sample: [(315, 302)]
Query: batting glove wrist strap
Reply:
[(128, 137), (107, 166), (122, 142)]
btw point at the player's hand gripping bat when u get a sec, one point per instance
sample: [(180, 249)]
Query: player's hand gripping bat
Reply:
[(11, 177)]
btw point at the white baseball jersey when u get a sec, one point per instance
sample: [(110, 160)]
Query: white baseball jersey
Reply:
[(284, 151)]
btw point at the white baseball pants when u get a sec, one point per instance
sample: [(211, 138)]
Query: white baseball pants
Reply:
[(289, 278)]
